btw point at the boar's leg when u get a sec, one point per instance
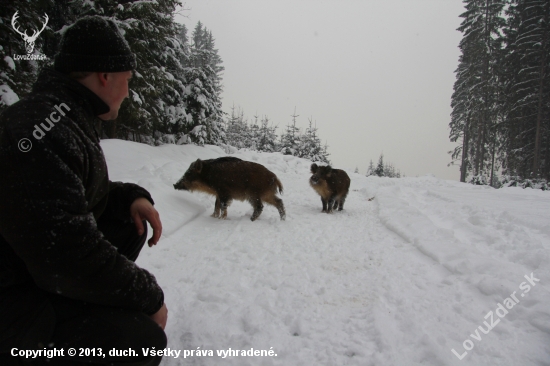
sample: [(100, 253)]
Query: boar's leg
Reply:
[(224, 204), (330, 204), (258, 207), (341, 204), (324, 204), (216, 208), (280, 207), (277, 202)]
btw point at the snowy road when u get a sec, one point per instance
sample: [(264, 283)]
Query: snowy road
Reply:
[(399, 280)]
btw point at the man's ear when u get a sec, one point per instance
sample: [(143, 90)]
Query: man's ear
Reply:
[(102, 77)]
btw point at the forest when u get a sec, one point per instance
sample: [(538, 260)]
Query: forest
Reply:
[(175, 93), (501, 101)]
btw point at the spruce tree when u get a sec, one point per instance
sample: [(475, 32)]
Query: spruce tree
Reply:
[(527, 121), (267, 138), (379, 171), (370, 169), (236, 129), (290, 138), (18, 75), (253, 135), (310, 145), (325, 154), (202, 98), (475, 100), (155, 103)]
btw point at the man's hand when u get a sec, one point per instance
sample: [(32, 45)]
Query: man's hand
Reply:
[(142, 209), (161, 316)]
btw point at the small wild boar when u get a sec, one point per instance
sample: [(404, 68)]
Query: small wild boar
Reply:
[(230, 178), (331, 184)]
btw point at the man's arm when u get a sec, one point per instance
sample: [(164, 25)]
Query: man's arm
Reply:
[(44, 216), (121, 197), (130, 201), (141, 209)]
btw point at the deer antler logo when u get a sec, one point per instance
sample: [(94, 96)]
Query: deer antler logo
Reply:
[(29, 40)]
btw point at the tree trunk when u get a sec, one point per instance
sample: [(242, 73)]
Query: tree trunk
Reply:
[(542, 74), (464, 163)]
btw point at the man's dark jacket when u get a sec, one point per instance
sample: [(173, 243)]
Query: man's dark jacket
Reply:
[(50, 200)]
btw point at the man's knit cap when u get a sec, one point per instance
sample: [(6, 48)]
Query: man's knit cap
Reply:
[(94, 44)]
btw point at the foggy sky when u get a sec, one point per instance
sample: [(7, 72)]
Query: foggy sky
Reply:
[(376, 76)]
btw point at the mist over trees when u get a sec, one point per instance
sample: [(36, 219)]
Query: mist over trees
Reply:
[(175, 93), (501, 99)]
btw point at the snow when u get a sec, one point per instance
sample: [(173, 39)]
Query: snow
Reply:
[(7, 95), (10, 62), (422, 269), (136, 98)]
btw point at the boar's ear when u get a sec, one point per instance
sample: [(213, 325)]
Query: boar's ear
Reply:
[(197, 165), (314, 168), (328, 170)]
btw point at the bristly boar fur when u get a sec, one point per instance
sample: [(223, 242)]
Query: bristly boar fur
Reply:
[(331, 184), (230, 178)]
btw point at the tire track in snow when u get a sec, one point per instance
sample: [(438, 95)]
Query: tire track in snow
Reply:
[(425, 221)]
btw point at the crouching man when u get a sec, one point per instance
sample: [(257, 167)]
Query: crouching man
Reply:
[(68, 235)]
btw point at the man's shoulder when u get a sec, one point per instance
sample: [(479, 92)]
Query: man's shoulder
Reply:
[(41, 118), (33, 108)]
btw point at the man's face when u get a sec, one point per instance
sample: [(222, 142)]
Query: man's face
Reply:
[(114, 92)]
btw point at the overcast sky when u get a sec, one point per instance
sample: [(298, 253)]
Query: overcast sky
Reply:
[(375, 75)]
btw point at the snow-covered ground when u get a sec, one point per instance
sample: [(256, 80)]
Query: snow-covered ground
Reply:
[(426, 267)]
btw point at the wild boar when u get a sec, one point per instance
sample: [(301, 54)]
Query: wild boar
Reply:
[(230, 178), (331, 184)]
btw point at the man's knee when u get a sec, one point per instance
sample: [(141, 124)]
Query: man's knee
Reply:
[(111, 330)]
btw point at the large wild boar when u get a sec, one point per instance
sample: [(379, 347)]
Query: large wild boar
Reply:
[(230, 178), (331, 184)]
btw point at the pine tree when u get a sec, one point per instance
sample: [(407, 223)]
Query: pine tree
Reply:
[(155, 105), (290, 138), (215, 60), (202, 99), (477, 89), (325, 154), (236, 130), (253, 134), (527, 78), (370, 169), (379, 171), (383, 169), (18, 75), (267, 138), (261, 136), (309, 145), (175, 92), (389, 170)]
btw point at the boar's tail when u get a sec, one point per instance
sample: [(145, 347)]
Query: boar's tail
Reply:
[(279, 185)]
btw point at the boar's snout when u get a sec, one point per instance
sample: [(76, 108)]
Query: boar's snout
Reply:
[(180, 186)]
